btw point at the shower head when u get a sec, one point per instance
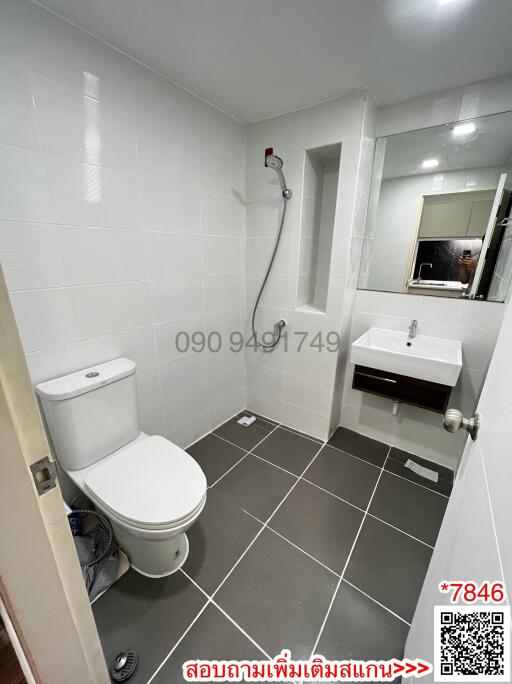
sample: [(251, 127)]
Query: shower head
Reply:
[(273, 161), (276, 163)]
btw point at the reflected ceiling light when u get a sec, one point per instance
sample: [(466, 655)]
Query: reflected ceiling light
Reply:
[(445, 2), (429, 163), (464, 129)]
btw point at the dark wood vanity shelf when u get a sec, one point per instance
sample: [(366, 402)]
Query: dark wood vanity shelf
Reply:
[(421, 393)]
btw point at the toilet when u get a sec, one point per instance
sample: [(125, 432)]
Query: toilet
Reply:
[(150, 489)]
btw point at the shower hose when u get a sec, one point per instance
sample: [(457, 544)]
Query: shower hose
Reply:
[(276, 336)]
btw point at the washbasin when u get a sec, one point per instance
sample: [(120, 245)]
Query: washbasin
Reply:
[(427, 358)]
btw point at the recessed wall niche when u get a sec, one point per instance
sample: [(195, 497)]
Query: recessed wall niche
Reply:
[(319, 194)]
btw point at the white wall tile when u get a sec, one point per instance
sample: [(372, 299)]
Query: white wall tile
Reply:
[(148, 388), (259, 252), (60, 51), (137, 345), (222, 255), (222, 215), (103, 309), (97, 255), (24, 192), (176, 297), (18, 121), (30, 256), (173, 255), (167, 150), (300, 418), (171, 209), (89, 195), (186, 368), (82, 128), (188, 402), (84, 289), (167, 346), (310, 363), (486, 97), (190, 432), (151, 421), (419, 112), (223, 291), (45, 318), (311, 395)]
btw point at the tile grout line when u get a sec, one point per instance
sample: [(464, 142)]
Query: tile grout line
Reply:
[(322, 627), (266, 522), (178, 642), (390, 472), (213, 602), (228, 471), (337, 574), (247, 453), (288, 472), (335, 496), (211, 598), (377, 602), (394, 527), (291, 543)]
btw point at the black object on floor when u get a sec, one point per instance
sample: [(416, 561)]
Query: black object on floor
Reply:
[(124, 666)]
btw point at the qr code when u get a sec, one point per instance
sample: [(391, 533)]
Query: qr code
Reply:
[(472, 644)]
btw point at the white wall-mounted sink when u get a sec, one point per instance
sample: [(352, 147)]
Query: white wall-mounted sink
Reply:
[(427, 358)]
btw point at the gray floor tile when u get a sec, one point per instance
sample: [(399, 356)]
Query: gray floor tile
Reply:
[(343, 475), (212, 637), (256, 486), (245, 437), (389, 566), (288, 449), (221, 534), (397, 459), (278, 595), (147, 615), (319, 523), (359, 629), (412, 509), (215, 456), (358, 445)]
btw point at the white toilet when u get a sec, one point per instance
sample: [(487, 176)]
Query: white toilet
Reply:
[(151, 490)]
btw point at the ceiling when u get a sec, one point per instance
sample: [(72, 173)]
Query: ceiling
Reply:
[(489, 145), (258, 58)]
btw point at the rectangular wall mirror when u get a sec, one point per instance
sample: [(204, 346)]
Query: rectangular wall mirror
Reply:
[(439, 216)]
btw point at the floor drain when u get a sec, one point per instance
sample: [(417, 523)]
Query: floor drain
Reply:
[(124, 666)]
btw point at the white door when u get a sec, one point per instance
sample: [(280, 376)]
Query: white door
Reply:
[(475, 540)]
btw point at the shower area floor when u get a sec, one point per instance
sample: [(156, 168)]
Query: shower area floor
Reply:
[(313, 547)]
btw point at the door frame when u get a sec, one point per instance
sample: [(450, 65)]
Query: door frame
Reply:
[(41, 582)]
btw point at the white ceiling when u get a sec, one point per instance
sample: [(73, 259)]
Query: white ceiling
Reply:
[(489, 145), (259, 58)]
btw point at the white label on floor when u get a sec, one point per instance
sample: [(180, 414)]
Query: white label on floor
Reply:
[(422, 471)]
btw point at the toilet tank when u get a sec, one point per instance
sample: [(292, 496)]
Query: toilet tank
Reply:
[(92, 412)]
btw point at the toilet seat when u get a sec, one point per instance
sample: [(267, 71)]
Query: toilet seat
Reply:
[(150, 484)]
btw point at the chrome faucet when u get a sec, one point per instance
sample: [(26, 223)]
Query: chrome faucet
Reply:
[(421, 266), (412, 330)]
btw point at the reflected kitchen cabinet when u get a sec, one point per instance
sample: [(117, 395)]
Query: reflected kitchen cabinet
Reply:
[(456, 214)]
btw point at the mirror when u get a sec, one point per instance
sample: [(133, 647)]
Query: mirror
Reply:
[(438, 215)]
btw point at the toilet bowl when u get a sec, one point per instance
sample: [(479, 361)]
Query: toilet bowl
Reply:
[(152, 492), (150, 489)]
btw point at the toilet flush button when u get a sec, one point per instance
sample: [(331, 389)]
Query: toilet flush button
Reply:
[(92, 374)]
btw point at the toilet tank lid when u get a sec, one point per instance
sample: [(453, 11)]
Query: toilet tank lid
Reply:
[(86, 380)]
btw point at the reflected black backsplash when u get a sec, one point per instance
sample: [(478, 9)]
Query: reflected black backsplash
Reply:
[(444, 257)]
